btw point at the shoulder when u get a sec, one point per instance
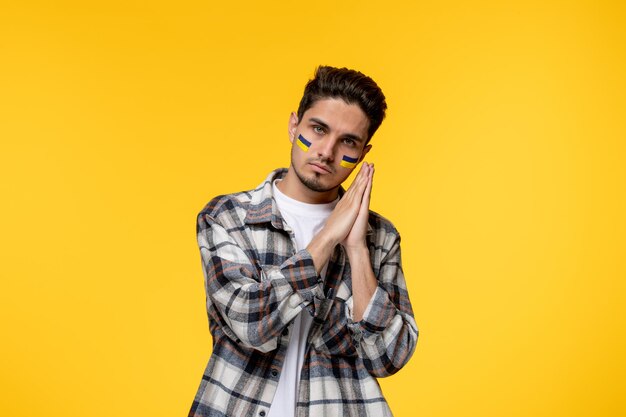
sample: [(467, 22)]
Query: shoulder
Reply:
[(383, 233), (226, 203), (231, 209), (225, 209), (381, 224)]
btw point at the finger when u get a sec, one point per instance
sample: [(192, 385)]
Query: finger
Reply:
[(351, 189), (365, 204), (360, 175), (363, 179), (356, 189), (367, 179)]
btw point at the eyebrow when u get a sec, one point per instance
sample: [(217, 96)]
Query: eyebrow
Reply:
[(325, 126)]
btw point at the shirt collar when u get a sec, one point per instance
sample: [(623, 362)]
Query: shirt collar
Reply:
[(262, 207)]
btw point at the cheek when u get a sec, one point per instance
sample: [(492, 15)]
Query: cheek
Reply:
[(297, 155), (348, 162), (343, 174), (303, 143)]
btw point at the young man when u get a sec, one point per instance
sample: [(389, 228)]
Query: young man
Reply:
[(306, 298)]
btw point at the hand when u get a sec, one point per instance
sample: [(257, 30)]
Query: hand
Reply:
[(350, 209), (356, 236), (350, 212)]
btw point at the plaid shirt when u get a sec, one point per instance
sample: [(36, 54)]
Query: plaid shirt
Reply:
[(256, 284)]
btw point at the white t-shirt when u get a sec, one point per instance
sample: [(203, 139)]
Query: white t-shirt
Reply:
[(305, 220)]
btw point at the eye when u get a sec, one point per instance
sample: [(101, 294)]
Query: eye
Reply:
[(318, 129), (349, 142)]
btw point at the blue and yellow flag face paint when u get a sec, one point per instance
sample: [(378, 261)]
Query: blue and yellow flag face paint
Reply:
[(348, 162), (303, 143)]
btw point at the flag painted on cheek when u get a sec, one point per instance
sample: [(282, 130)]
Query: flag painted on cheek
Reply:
[(303, 143), (348, 162)]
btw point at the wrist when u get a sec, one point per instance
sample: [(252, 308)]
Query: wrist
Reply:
[(326, 239), (321, 248), (356, 250)]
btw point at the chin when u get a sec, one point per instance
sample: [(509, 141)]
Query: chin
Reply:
[(313, 183)]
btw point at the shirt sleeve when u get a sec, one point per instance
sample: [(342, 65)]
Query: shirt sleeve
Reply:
[(253, 305), (387, 334)]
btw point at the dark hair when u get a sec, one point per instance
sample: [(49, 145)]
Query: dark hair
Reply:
[(351, 86)]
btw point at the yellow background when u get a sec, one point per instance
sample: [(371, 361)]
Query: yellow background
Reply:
[(501, 161)]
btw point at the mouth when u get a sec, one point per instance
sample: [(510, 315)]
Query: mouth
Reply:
[(320, 168)]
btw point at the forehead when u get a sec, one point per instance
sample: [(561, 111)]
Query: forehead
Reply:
[(339, 116)]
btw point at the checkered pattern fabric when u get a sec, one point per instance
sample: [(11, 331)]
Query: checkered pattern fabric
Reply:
[(256, 284)]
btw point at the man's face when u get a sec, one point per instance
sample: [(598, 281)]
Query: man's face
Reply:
[(335, 130)]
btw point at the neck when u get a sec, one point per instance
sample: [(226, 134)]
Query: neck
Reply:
[(292, 187)]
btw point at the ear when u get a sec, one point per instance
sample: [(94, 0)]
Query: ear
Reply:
[(293, 125), (365, 151)]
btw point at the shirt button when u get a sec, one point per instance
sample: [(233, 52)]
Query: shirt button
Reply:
[(274, 372), (262, 413)]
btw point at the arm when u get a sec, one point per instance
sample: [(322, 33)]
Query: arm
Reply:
[(379, 312), (251, 305), (386, 334)]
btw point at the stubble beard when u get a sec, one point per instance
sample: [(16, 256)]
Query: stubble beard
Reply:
[(312, 183)]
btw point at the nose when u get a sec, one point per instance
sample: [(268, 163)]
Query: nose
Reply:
[(326, 148)]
